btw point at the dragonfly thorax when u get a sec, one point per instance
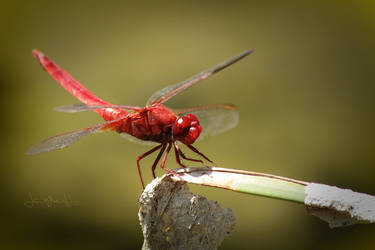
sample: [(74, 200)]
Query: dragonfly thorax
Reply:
[(186, 129)]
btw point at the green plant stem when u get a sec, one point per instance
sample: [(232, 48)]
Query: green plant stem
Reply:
[(246, 182)]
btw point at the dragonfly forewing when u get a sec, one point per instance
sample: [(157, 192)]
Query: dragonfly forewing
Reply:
[(167, 93), (80, 107), (63, 140)]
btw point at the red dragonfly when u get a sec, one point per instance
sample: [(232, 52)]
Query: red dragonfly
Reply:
[(154, 123)]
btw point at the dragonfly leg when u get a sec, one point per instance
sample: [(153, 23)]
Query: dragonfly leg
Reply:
[(178, 152), (143, 156), (157, 159), (178, 160), (165, 158), (196, 151)]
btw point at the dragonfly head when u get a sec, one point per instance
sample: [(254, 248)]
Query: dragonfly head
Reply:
[(186, 129)]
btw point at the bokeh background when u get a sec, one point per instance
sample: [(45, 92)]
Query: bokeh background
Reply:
[(306, 101)]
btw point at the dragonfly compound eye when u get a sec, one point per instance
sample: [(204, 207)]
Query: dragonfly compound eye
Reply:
[(187, 129)]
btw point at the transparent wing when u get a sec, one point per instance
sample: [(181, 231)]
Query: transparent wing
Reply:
[(80, 107), (63, 140), (214, 119), (167, 93)]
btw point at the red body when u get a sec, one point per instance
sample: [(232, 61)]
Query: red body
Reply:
[(154, 122)]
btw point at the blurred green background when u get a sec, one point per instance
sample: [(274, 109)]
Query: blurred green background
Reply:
[(306, 101)]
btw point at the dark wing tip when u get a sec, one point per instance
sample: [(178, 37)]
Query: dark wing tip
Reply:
[(249, 51), (245, 53)]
